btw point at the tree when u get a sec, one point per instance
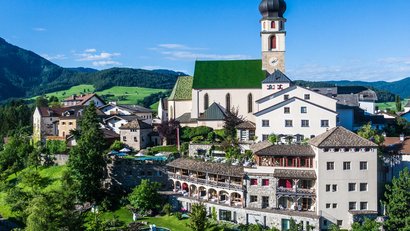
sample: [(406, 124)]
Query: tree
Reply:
[(168, 131), (117, 145), (41, 101), (273, 139), (232, 120), (398, 202), (86, 162), (295, 226), (167, 209), (398, 104), (13, 158), (371, 134), (334, 227), (145, 196), (197, 219), (367, 225)]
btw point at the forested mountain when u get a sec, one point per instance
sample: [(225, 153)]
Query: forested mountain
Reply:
[(24, 73)]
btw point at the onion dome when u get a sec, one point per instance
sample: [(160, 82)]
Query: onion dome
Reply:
[(272, 8)]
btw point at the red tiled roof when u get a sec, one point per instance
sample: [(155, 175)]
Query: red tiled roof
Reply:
[(394, 145)]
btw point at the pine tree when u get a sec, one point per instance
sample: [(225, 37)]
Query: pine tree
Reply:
[(398, 202), (198, 220), (398, 104), (86, 162)]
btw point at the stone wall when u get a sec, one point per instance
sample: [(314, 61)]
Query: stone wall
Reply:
[(261, 191), (193, 148), (125, 174)]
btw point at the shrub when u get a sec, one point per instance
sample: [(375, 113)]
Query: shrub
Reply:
[(178, 215), (167, 209)]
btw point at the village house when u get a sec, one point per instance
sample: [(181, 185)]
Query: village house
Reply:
[(83, 100)]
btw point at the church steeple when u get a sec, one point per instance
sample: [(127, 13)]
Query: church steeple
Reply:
[(273, 35)]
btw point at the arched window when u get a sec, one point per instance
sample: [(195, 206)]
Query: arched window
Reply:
[(250, 103), (281, 25), (272, 41), (273, 24), (206, 101), (228, 102), (172, 112)]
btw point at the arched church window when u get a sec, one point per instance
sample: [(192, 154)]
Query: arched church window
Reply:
[(228, 102), (206, 101), (172, 112), (272, 42), (250, 103), (273, 25)]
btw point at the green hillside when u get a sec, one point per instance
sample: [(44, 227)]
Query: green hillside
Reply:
[(123, 95)]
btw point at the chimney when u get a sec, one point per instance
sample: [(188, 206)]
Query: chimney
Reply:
[(402, 138)]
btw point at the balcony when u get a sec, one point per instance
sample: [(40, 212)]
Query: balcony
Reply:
[(206, 182), (296, 192)]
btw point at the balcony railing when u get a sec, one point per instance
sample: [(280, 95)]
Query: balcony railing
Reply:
[(224, 185), (295, 191)]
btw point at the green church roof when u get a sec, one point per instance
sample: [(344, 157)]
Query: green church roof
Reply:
[(235, 74), (182, 89)]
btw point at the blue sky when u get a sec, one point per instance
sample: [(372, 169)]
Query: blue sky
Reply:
[(327, 39)]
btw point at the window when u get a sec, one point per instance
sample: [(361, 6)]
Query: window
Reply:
[(265, 182), (225, 215), (206, 101), (124, 138), (363, 165), (339, 222), (228, 102), (334, 188), (328, 205), (135, 139), (265, 202), (286, 110), (303, 110), (265, 123), (265, 137), (288, 123), (346, 165), (330, 165), (363, 187), (352, 205), (328, 188), (307, 96), (363, 205), (324, 123), (305, 123), (63, 123), (286, 97), (254, 181), (281, 25), (250, 103), (70, 123), (334, 205), (273, 25), (272, 44), (352, 187), (254, 199)]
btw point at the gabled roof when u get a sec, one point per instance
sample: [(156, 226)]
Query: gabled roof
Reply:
[(51, 112), (291, 100), (123, 117), (186, 118), (286, 150), (340, 137), (277, 77), (228, 74), (136, 124), (82, 99), (130, 108), (214, 112), (182, 89), (246, 125)]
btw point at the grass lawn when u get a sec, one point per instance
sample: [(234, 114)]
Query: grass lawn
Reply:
[(124, 95), (390, 105)]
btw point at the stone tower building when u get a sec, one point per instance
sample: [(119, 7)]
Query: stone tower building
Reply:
[(273, 35)]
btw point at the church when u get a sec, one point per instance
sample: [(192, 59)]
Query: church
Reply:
[(259, 89)]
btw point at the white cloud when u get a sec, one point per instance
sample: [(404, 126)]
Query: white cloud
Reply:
[(174, 51), (91, 50), (39, 29), (54, 57), (93, 57), (386, 69), (105, 63)]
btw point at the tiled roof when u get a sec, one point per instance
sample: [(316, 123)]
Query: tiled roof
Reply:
[(228, 74), (135, 108), (51, 112), (214, 112), (109, 134), (286, 150), (186, 118), (182, 89), (128, 118), (246, 125), (340, 137), (82, 99), (394, 145), (299, 174), (209, 167), (277, 77), (259, 146), (136, 124)]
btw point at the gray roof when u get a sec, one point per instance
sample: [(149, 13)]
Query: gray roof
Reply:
[(328, 91), (136, 124), (340, 137), (186, 118), (277, 77), (135, 108), (128, 118), (214, 112), (286, 150), (348, 99), (291, 100), (276, 94), (290, 173), (259, 146), (246, 125), (209, 167)]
